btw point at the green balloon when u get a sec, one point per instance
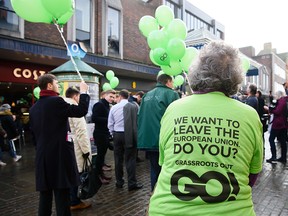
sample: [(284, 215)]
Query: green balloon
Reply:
[(106, 86), (176, 48), (160, 56), (177, 29), (114, 82), (58, 8), (164, 15), (152, 58), (157, 39), (189, 57), (173, 69), (32, 11), (65, 18), (147, 24), (178, 80), (110, 74), (36, 92), (245, 64)]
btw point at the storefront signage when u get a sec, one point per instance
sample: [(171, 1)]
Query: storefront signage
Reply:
[(76, 49), (22, 72), (27, 73)]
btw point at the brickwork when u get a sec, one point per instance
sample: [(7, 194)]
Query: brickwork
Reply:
[(135, 43), (44, 33), (98, 28)]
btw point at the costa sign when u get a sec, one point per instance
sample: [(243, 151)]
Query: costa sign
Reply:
[(22, 72), (27, 73)]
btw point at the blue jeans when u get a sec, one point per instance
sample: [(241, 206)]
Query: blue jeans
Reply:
[(155, 168), (281, 135), (12, 152)]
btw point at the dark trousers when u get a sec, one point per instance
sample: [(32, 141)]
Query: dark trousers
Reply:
[(281, 135), (122, 154), (102, 142), (62, 202), (74, 196), (155, 168)]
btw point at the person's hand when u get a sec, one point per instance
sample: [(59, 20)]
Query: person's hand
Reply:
[(5, 135), (111, 144), (86, 155), (83, 87), (110, 138)]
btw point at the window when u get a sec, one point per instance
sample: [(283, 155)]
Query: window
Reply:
[(174, 5), (113, 31), (83, 21), (10, 23)]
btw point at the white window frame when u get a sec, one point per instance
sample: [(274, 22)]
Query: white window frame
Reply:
[(118, 6), (71, 27)]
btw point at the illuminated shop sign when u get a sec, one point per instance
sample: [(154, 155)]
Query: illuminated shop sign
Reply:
[(27, 73), (20, 72)]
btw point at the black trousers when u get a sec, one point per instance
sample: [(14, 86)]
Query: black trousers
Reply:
[(122, 154), (62, 202), (102, 142)]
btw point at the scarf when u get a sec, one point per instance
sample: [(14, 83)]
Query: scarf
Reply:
[(45, 92)]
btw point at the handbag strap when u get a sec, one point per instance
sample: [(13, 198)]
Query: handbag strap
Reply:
[(87, 163)]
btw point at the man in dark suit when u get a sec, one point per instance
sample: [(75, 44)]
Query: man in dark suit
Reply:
[(56, 168), (99, 117)]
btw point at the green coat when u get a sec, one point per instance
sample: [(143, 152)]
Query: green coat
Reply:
[(153, 106)]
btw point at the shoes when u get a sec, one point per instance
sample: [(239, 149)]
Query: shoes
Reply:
[(17, 158), (106, 177), (81, 205), (2, 163), (270, 160), (281, 160), (135, 187), (103, 180), (106, 168), (108, 165), (119, 185), (139, 160)]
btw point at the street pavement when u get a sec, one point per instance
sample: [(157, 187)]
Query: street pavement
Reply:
[(18, 195)]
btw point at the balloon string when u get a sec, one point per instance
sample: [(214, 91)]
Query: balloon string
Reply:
[(72, 59), (185, 74)]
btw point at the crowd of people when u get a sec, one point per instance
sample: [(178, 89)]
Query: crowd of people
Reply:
[(205, 150)]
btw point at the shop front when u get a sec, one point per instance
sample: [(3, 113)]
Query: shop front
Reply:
[(17, 81)]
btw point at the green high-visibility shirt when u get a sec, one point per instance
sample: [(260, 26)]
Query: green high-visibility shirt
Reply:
[(209, 144)]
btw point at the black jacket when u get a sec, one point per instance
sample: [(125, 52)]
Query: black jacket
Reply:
[(8, 124), (100, 113), (55, 158)]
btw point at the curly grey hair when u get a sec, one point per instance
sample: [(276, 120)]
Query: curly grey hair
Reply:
[(218, 68)]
